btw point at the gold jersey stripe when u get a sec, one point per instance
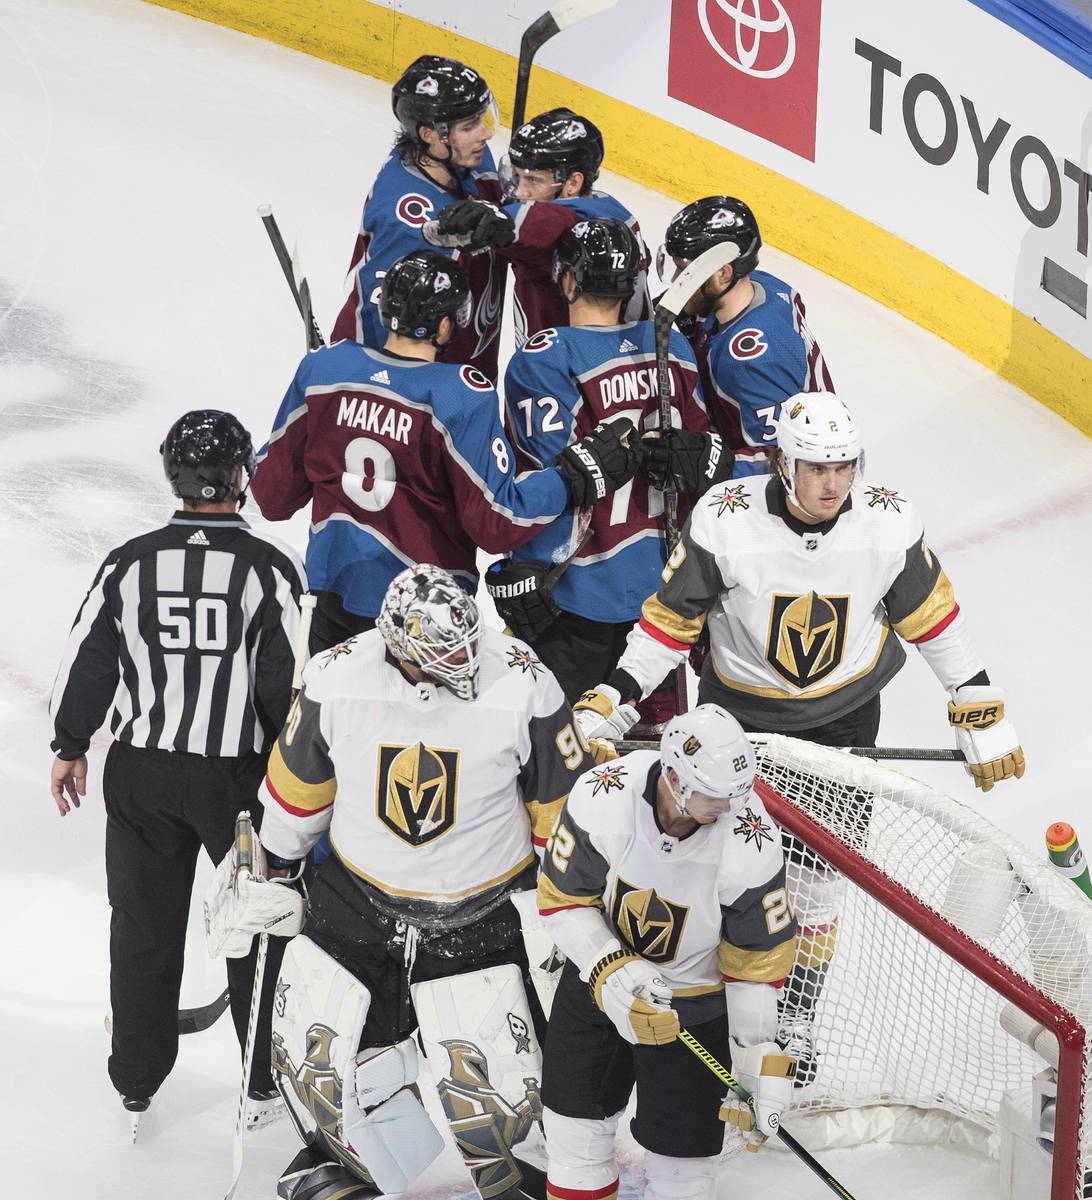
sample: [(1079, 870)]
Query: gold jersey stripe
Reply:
[(938, 605), (682, 629), (299, 798), (383, 886), (757, 966), (550, 897), (816, 945), (811, 693), (544, 816), (701, 989)]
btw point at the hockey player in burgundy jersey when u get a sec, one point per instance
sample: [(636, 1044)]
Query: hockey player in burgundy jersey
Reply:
[(557, 388), (404, 459), (447, 114), (747, 327), (546, 178)]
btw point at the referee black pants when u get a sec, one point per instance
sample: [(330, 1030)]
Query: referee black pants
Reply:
[(161, 808)]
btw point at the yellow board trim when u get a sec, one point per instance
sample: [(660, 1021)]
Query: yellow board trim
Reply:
[(379, 42)]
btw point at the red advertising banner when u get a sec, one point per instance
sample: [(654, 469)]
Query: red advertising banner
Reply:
[(752, 63)]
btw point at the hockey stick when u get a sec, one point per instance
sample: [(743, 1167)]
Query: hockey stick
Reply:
[(303, 637), (197, 1020), (301, 291), (249, 867), (538, 33), (900, 753), (725, 1076)]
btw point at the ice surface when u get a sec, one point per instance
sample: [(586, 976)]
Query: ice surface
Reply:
[(136, 282)]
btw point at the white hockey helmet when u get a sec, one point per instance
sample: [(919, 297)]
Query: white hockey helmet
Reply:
[(709, 752), (816, 427), (427, 619)]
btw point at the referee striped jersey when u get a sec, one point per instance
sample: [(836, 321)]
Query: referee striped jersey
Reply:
[(186, 639)]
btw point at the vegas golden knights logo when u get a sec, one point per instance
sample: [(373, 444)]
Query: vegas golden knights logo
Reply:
[(807, 636), (417, 788), (651, 925)]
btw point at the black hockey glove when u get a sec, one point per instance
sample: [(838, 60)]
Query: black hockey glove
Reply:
[(472, 225), (601, 462), (687, 461), (522, 597)]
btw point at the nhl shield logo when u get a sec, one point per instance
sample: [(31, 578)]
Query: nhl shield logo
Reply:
[(416, 791), (652, 925), (806, 637)]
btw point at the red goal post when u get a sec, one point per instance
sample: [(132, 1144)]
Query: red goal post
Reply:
[(939, 922)]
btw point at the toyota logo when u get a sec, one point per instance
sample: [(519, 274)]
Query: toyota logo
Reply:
[(765, 41)]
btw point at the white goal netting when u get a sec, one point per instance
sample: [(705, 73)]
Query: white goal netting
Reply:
[(937, 928)]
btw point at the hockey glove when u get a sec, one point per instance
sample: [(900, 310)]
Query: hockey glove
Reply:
[(600, 713), (635, 997), (687, 461), (237, 907), (985, 735), (473, 225), (522, 597), (600, 463), (767, 1073)]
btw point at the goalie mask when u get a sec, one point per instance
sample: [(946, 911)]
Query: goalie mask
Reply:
[(428, 620), (816, 427), (711, 755)]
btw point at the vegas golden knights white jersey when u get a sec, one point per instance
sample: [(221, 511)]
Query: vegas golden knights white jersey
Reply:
[(426, 796), (704, 908), (801, 618)]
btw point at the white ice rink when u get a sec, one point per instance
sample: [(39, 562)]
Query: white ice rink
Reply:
[(136, 282)]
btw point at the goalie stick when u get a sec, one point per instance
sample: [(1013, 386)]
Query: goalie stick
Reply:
[(725, 1076), (301, 290), (538, 33), (903, 753)]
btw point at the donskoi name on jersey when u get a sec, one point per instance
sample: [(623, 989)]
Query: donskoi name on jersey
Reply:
[(358, 412), (629, 386)]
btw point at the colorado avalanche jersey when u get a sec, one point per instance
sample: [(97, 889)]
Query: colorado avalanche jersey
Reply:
[(750, 365), (704, 908), (403, 461), (538, 302), (401, 201), (561, 385), (428, 798), (800, 616)]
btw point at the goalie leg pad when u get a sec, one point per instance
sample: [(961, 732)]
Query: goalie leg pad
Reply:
[(580, 1152), (317, 1022), (679, 1178)]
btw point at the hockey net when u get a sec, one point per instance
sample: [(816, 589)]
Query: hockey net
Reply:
[(936, 928)]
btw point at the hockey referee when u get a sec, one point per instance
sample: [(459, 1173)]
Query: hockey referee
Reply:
[(185, 640)]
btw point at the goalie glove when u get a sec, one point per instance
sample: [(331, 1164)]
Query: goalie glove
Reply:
[(237, 906), (601, 462), (600, 713), (687, 461), (767, 1072), (635, 996), (522, 597), (985, 735), (473, 225)]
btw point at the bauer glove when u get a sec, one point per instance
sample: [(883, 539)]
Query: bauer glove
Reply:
[(601, 462), (600, 713), (985, 735), (686, 461), (636, 997), (522, 597), (473, 225), (767, 1072)]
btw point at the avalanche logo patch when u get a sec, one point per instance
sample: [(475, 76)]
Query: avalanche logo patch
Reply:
[(650, 924), (730, 498), (885, 498), (806, 636), (752, 827), (416, 791), (540, 341), (413, 210), (608, 778), (747, 344), (525, 660), (473, 378)]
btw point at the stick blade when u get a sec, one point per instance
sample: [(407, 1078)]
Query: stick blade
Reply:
[(568, 12), (695, 274)]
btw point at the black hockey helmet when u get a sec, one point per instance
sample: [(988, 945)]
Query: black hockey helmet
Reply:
[(707, 223), (202, 453), (603, 255), (419, 290), (559, 141), (437, 91)]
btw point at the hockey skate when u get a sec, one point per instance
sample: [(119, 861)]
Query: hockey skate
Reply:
[(263, 1107), (136, 1107)]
